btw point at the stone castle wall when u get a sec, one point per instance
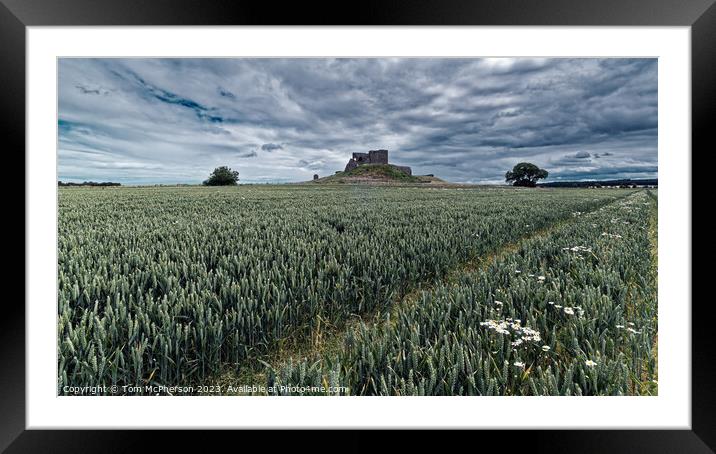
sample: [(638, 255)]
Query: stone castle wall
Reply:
[(405, 169), (373, 157), (378, 156)]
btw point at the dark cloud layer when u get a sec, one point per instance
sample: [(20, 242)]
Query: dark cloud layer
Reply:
[(467, 120)]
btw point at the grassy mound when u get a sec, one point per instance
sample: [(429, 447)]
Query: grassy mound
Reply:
[(379, 172)]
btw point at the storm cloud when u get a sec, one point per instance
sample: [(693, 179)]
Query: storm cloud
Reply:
[(140, 121), (271, 147)]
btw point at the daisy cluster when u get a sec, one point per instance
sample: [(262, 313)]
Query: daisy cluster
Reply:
[(577, 249), (541, 279), (569, 310), (630, 328), (611, 235), (511, 326)]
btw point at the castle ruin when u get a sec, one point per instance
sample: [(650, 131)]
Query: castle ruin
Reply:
[(374, 157)]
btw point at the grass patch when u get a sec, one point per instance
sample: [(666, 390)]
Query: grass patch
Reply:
[(381, 172)]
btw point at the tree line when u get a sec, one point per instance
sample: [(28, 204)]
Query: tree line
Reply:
[(88, 183)]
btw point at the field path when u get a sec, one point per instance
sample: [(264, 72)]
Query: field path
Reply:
[(328, 339)]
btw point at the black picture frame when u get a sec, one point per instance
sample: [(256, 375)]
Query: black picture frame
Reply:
[(16, 15)]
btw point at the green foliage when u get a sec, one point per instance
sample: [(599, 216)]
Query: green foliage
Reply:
[(525, 174), (222, 176), (171, 285)]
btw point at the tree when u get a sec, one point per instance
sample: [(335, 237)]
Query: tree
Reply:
[(525, 174), (222, 176)]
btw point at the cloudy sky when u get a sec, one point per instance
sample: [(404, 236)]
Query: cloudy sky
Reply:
[(139, 121)]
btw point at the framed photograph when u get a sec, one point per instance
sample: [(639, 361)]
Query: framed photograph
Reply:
[(431, 216)]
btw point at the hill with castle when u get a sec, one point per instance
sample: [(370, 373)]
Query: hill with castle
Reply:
[(374, 167)]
